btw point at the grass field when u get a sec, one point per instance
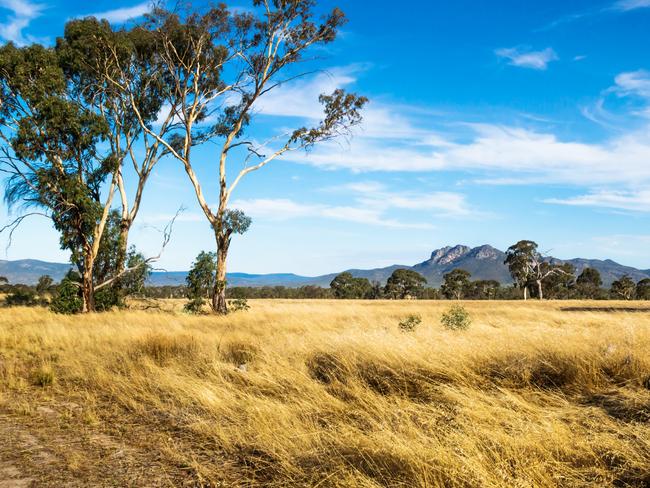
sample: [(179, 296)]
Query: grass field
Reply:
[(328, 393)]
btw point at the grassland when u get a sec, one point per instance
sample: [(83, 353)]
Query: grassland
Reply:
[(324, 393)]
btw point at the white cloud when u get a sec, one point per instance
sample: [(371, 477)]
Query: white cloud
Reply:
[(626, 5), (285, 209), (527, 59), (638, 201), (121, 15), (23, 12), (633, 83)]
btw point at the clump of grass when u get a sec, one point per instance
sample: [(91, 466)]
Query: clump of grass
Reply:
[(43, 376), (164, 348), (409, 323), (239, 352), (456, 318), (328, 368)]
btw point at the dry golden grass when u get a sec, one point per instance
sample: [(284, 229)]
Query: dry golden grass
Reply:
[(332, 393)]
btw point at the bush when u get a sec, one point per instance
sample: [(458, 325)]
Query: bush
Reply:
[(238, 304), (195, 306), (22, 298), (410, 323), (67, 299), (456, 318)]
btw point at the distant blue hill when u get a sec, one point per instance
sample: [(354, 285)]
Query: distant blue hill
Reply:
[(483, 262)]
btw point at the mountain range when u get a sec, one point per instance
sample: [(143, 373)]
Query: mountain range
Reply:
[(483, 262)]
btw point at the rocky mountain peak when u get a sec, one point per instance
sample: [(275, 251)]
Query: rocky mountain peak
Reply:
[(486, 252), (449, 254)]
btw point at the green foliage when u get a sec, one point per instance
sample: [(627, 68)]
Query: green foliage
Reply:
[(560, 281), (588, 283), (456, 284), (404, 283), (346, 286), (643, 289), (624, 288), (482, 290), (409, 323), (67, 298), (44, 284), (519, 259), (238, 305), (22, 297), (201, 280), (456, 318)]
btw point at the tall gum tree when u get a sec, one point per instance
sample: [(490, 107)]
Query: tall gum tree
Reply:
[(117, 74), (216, 66), (54, 154)]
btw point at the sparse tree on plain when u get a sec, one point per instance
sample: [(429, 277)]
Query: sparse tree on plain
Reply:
[(624, 288), (527, 266), (215, 67), (404, 283), (643, 289), (346, 286), (589, 282), (456, 283)]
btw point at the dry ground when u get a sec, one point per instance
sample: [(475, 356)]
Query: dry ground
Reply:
[(328, 393)]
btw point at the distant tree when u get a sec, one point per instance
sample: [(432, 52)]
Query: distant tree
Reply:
[(346, 286), (404, 283), (456, 283), (200, 280), (560, 282), (376, 291), (3, 280), (519, 259), (588, 283), (623, 288), (643, 289), (528, 267), (483, 290), (44, 284)]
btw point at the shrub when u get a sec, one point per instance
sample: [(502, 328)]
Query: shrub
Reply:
[(195, 305), (456, 318), (43, 376), (67, 299), (22, 298), (410, 323), (238, 304)]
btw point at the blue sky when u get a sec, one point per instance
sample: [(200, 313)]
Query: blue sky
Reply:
[(489, 122)]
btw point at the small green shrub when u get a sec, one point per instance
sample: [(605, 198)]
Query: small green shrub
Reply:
[(456, 318), (195, 306), (238, 304), (410, 323), (67, 298)]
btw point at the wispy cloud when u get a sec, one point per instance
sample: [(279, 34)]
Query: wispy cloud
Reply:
[(626, 5), (525, 58), (629, 201), (22, 13), (121, 15), (286, 209)]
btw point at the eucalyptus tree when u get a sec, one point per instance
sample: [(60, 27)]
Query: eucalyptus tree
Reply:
[(54, 154), (114, 72), (456, 283), (216, 66), (527, 266)]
